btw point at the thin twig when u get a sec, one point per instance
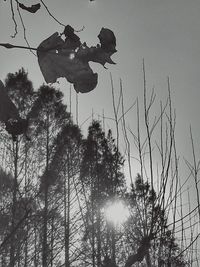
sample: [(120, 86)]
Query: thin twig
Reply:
[(24, 28), (47, 9), (13, 19)]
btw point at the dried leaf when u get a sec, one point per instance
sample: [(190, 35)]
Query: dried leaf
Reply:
[(31, 9), (70, 58)]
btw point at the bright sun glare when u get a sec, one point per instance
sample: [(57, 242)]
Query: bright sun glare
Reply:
[(116, 212)]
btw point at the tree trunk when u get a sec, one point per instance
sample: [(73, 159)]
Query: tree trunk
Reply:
[(44, 248), (13, 220), (35, 245), (67, 192), (113, 244), (45, 216), (52, 240), (93, 231), (26, 247), (148, 259), (98, 212), (98, 237)]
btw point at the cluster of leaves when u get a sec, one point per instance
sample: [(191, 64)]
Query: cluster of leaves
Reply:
[(70, 58)]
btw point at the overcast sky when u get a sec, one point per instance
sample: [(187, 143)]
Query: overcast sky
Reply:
[(165, 33)]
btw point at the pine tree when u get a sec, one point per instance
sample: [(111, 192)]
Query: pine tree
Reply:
[(48, 114), (103, 181), (20, 91), (65, 168), (149, 238)]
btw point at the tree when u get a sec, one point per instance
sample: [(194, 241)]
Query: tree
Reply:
[(65, 167), (6, 181), (49, 115), (53, 201), (102, 178), (149, 238), (20, 90)]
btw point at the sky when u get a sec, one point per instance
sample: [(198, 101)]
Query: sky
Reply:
[(166, 34)]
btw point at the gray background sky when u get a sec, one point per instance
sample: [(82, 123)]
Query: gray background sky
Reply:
[(165, 33)]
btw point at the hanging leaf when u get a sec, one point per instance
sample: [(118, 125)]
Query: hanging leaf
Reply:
[(70, 58), (31, 9), (107, 40)]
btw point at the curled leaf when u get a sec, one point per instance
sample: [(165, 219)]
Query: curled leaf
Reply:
[(70, 58), (31, 9)]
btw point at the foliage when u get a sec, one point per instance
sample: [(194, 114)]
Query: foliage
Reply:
[(147, 229), (54, 189)]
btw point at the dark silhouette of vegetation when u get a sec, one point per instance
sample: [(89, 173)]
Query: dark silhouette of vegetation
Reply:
[(149, 238), (55, 188)]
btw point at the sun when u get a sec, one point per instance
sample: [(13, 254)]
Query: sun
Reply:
[(116, 212)]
